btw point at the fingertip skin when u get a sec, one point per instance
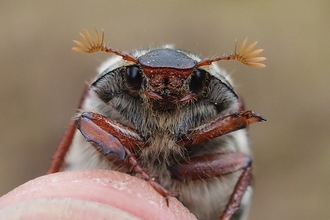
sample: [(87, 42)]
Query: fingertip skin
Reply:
[(63, 208), (89, 193)]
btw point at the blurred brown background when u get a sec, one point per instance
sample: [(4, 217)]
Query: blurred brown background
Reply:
[(42, 81)]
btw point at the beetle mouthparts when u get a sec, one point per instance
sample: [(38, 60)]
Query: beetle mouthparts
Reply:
[(167, 101)]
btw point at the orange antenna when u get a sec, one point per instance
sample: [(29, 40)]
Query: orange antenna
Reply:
[(98, 45), (244, 56)]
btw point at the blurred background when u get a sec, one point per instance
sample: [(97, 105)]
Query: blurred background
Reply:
[(42, 81)]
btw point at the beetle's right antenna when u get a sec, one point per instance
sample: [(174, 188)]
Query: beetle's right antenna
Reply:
[(98, 45)]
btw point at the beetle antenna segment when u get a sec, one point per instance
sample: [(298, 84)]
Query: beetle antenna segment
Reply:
[(98, 45), (245, 56)]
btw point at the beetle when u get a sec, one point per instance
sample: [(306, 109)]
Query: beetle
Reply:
[(171, 118)]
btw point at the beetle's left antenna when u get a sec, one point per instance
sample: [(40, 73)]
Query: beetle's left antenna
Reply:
[(98, 45), (244, 56)]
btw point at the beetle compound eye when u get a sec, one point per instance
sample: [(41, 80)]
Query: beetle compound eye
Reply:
[(197, 80), (133, 77)]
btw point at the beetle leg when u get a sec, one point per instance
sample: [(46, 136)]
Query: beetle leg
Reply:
[(220, 126), (138, 169), (212, 165), (113, 137), (107, 134), (236, 197), (62, 149), (66, 140)]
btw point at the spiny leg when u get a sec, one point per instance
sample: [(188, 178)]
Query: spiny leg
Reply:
[(63, 147), (238, 193), (220, 126), (138, 169), (108, 134), (213, 165), (113, 137), (210, 165)]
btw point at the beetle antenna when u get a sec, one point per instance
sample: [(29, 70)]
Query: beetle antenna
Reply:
[(244, 56), (98, 45)]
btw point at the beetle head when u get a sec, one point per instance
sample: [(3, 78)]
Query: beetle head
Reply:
[(165, 76)]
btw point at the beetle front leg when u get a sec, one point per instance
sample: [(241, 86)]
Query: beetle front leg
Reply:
[(114, 137), (212, 165), (219, 127)]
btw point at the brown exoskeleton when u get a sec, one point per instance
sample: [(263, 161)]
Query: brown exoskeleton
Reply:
[(167, 114)]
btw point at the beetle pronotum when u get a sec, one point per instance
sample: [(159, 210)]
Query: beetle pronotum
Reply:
[(167, 114)]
